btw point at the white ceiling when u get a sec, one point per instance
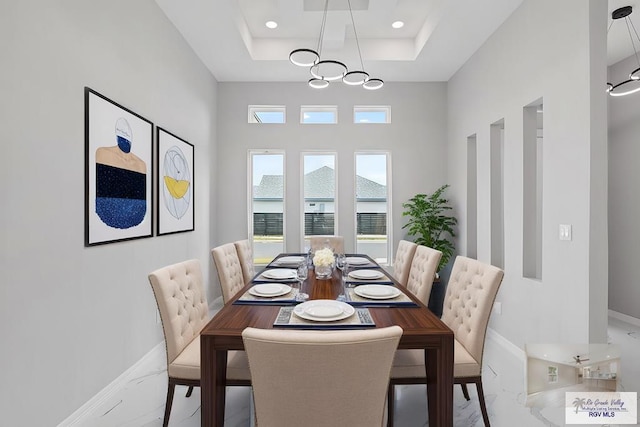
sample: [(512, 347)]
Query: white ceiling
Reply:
[(439, 36)]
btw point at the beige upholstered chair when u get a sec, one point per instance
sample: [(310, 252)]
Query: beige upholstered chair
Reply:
[(335, 242), (320, 378), (229, 269), (471, 292), (245, 255), (402, 261), (424, 266), (184, 312)]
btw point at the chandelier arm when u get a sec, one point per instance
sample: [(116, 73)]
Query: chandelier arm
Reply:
[(635, 52), (355, 33), (322, 27), (637, 37)]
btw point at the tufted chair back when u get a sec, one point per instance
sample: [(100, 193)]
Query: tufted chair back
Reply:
[(402, 261), (422, 272), (471, 291), (335, 242), (229, 270), (245, 255), (182, 303)]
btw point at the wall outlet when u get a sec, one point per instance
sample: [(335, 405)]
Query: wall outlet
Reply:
[(497, 307)]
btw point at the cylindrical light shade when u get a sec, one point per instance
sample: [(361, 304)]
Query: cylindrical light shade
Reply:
[(304, 57), (329, 70), (373, 84), (318, 83), (635, 74), (355, 78), (627, 87)]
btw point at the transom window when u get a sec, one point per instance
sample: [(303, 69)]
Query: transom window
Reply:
[(267, 113), (319, 114), (371, 114)]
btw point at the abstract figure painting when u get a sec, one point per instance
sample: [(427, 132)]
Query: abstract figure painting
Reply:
[(175, 184), (118, 177)]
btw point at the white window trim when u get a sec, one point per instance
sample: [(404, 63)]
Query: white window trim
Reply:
[(372, 108), (266, 108), (335, 196), (389, 201), (250, 154), (319, 109)]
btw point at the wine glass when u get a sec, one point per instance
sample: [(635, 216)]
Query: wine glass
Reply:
[(302, 273), (340, 260)]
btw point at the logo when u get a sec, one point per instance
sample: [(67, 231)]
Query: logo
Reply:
[(601, 408)]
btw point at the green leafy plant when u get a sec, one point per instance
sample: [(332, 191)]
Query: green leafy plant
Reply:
[(430, 222)]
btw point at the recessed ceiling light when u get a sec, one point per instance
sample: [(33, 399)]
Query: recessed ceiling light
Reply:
[(397, 24), (271, 24)]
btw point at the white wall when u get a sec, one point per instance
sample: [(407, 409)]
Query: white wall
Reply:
[(74, 318), (555, 51), (538, 375), (624, 203), (416, 139)]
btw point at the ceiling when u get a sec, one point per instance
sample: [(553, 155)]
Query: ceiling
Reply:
[(564, 353), (438, 37)]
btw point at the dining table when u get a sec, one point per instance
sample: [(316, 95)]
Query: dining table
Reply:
[(421, 330)]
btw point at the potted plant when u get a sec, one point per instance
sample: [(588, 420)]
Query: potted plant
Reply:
[(430, 222)]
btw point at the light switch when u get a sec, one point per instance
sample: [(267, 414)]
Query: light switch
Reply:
[(565, 231)]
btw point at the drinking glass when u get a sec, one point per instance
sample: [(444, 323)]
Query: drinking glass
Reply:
[(340, 260), (302, 273)]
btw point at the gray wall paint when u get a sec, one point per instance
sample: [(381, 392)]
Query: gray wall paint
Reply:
[(516, 66), (74, 318), (416, 139), (624, 204)]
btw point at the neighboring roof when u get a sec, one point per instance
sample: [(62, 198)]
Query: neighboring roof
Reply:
[(318, 184)]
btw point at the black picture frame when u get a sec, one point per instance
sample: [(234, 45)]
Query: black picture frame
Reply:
[(175, 163), (118, 172)]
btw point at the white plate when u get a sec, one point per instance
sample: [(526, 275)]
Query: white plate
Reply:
[(280, 273), (270, 290), (357, 260), (366, 274), (324, 310), (376, 291), (289, 260)]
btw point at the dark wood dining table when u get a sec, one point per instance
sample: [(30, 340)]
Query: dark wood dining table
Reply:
[(422, 330)]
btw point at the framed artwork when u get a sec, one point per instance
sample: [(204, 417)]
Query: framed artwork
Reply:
[(118, 172), (175, 184)]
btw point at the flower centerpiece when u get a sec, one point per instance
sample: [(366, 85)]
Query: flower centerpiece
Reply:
[(323, 263)]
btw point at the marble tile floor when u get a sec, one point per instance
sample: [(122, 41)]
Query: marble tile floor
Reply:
[(141, 402)]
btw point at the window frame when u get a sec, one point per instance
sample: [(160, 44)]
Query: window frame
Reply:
[(253, 109), (303, 242), (318, 109), (373, 109), (250, 207), (389, 211)]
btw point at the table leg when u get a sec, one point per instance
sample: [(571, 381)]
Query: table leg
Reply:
[(439, 367), (213, 378)]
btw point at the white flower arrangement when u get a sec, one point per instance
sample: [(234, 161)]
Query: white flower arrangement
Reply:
[(323, 257)]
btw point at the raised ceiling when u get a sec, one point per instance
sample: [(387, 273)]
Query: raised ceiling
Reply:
[(438, 37)]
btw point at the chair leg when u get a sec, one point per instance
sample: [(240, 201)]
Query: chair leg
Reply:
[(167, 406), (465, 391), (190, 391), (483, 406), (390, 404)]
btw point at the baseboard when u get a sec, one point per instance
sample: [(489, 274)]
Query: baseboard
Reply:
[(507, 345), (79, 417), (624, 317)]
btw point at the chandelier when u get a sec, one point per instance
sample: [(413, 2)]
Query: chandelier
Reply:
[(324, 71), (632, 84)]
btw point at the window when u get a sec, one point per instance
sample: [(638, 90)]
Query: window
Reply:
[(373, 205), (266, 219), (372, 114), (319, 114), (267, 114), (552, 374), (319, 198)]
